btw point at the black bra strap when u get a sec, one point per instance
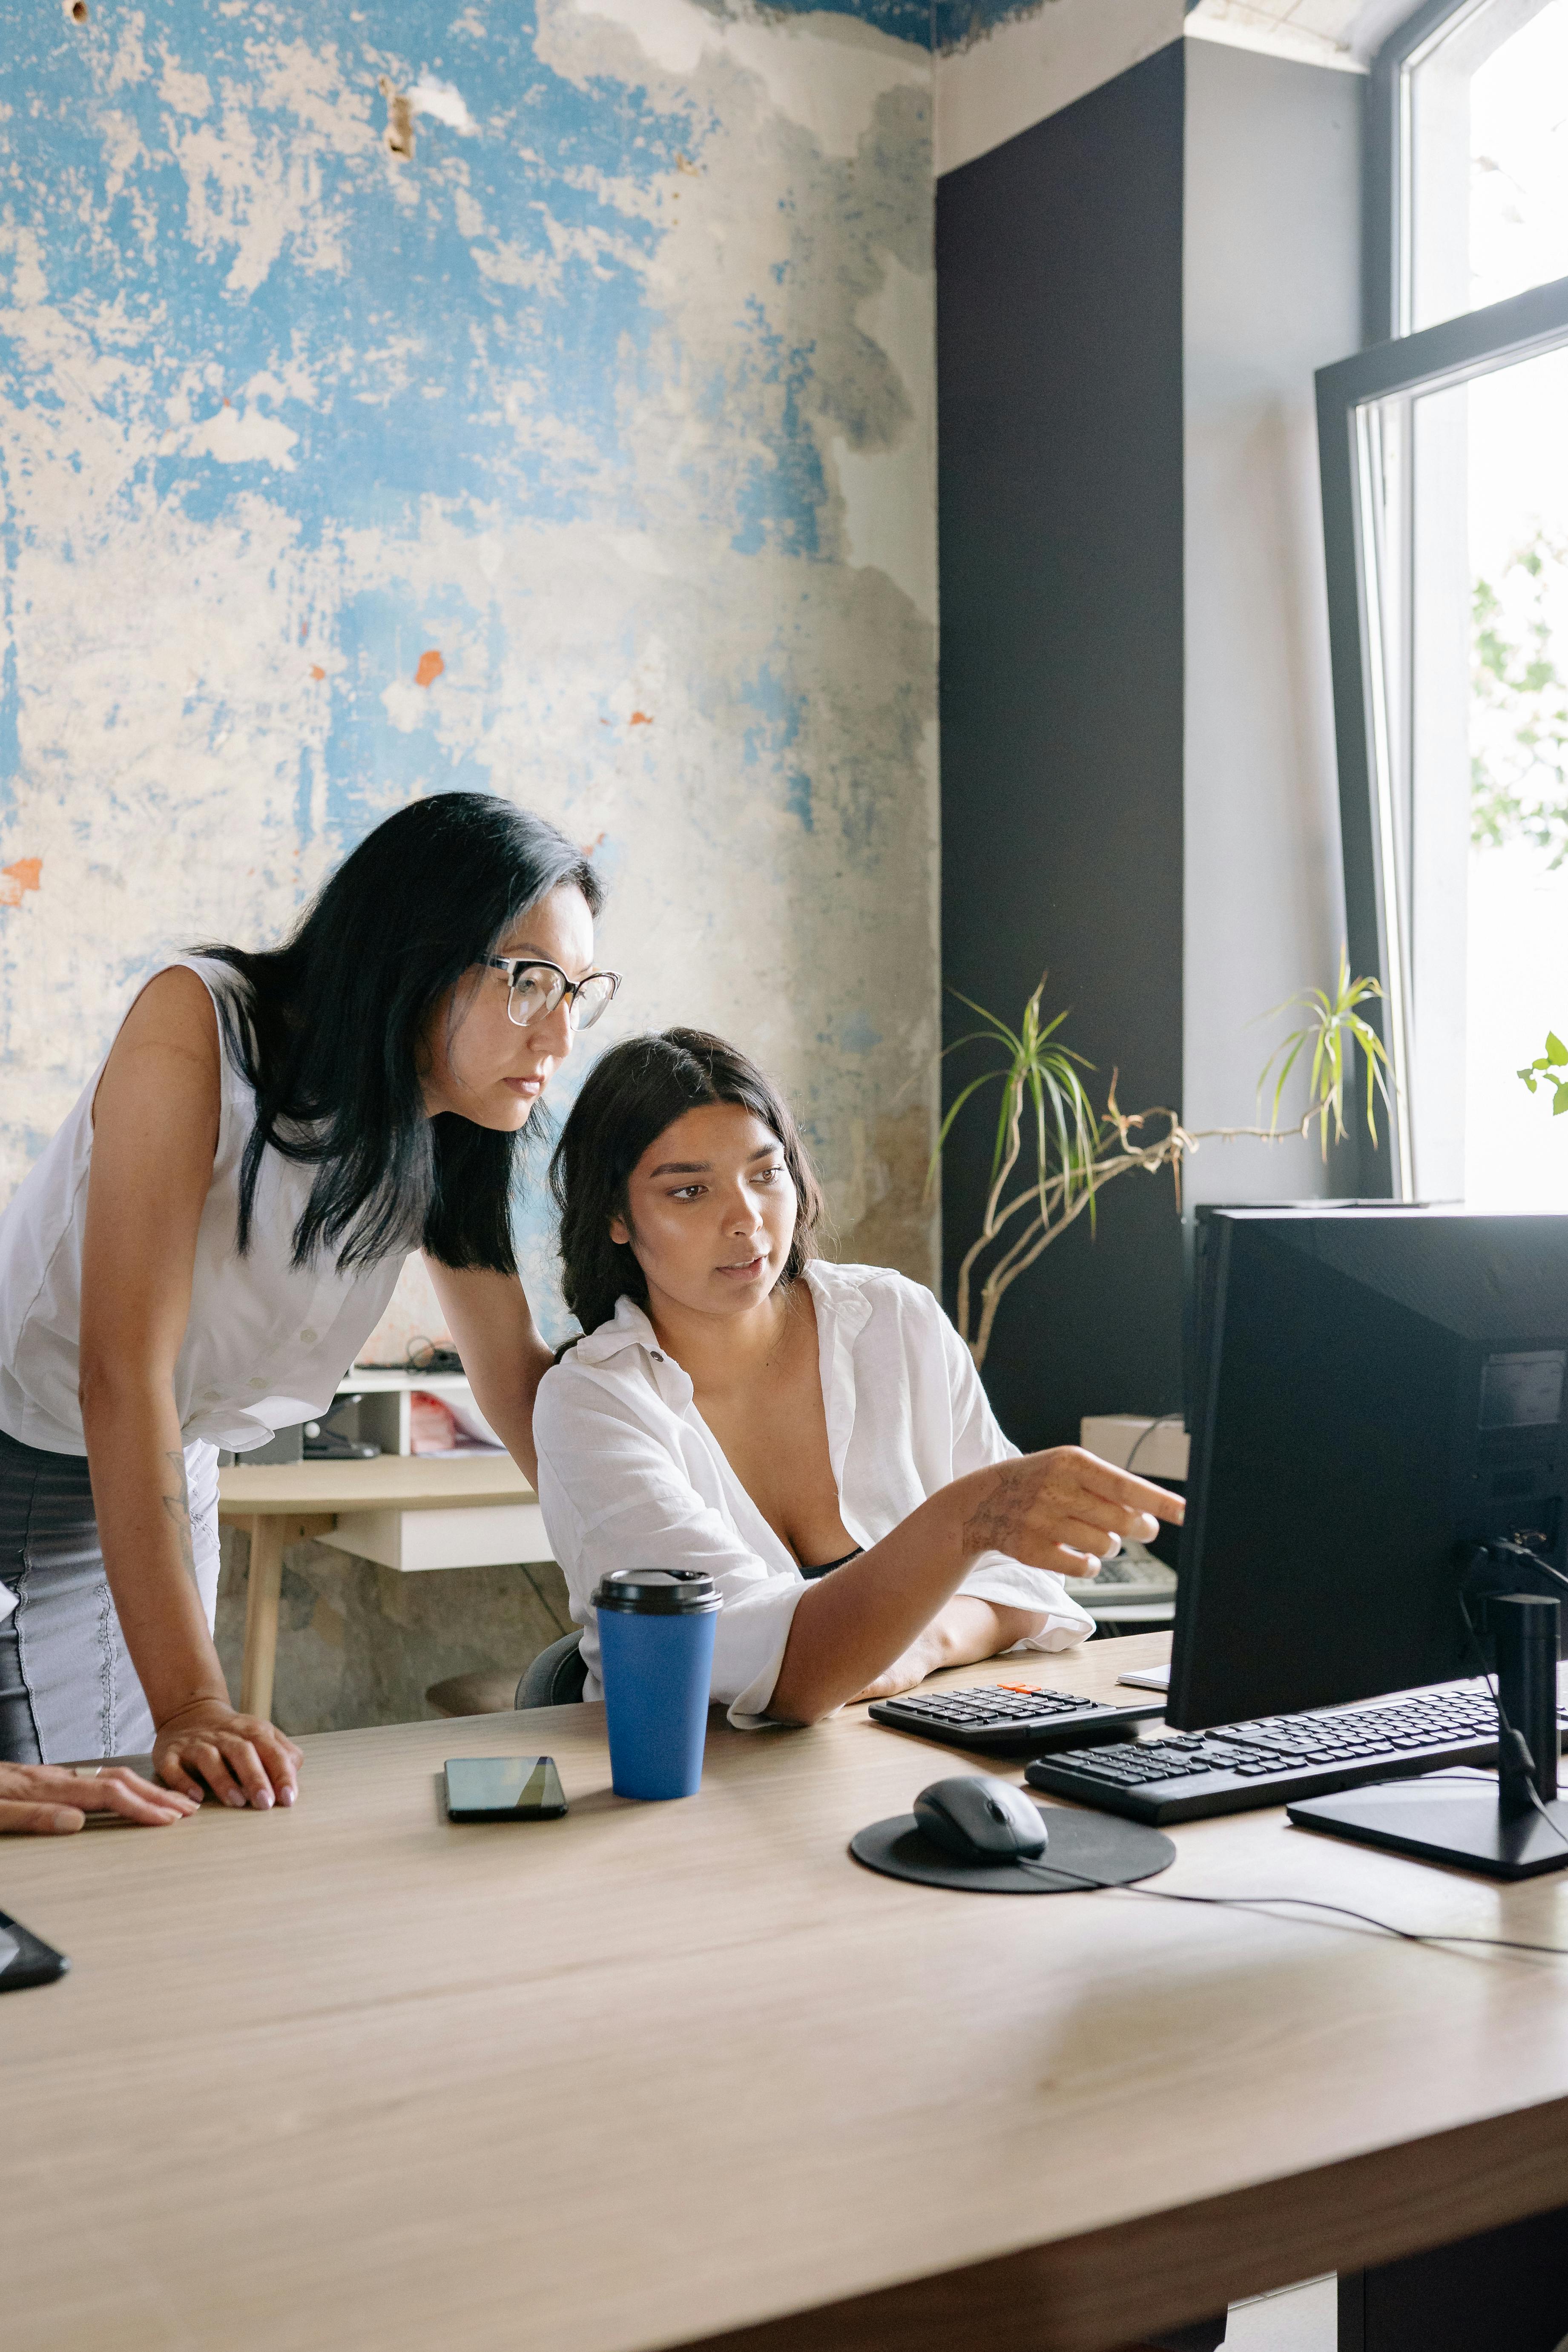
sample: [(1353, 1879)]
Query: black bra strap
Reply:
[(811, 1574)]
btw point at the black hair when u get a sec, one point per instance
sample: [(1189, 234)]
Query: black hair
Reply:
[(326, 1030), (630, 1095)]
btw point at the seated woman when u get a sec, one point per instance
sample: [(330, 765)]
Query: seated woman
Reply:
[(813, 1435)]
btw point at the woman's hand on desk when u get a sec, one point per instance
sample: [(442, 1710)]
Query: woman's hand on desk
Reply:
[(243, 1758), (46, 1800), (1064, 1510)]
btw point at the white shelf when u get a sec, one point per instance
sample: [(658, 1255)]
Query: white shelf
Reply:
[(489, 1536), (385, 1413)]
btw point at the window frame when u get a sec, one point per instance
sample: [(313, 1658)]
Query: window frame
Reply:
[(1454, 351), (1386, 251)]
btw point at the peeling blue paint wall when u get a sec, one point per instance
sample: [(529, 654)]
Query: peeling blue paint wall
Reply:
[(536, 399), (938, 24), (955, 23), (909, 20)]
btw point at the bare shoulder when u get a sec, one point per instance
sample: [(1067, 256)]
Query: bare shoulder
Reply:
[(176, 1013), (166, 1060)]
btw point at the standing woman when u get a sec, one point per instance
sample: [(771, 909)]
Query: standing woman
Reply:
[(204, 1246)]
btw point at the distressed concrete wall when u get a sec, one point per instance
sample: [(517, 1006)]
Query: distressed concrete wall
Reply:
[(534, 398)]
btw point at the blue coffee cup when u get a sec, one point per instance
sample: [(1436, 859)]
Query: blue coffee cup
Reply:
[(656, 1662)]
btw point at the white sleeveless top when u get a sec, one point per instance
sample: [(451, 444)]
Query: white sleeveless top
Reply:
[(267, 1341)]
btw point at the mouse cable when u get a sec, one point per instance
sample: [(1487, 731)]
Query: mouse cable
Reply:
[(1340, 1910), (1300, 1902)]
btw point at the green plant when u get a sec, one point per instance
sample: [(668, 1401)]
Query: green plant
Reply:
[(1074, 1152), (1552, 1066), (1334, 1029)]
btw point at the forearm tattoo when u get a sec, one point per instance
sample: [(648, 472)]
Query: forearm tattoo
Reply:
[(178, 1506)]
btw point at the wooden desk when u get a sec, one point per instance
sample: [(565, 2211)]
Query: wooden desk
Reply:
[(359, 1505), (350, 2079)]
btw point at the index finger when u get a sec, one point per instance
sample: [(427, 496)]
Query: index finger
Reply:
[(1114, 1486)]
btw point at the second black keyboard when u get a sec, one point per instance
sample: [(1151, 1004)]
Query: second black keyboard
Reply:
[(1185, 1775), (1010, 1719)]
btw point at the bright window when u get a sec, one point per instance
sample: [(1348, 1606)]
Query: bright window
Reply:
[(1485, 176), (1448, 555)]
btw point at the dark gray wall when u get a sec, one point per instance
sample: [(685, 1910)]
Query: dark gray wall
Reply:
[(1060, 430)]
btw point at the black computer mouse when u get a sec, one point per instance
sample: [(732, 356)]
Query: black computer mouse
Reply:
[(977, 1818)]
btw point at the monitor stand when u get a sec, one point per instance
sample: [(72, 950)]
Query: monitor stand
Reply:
[(1505, 1836), (1441, 1822)]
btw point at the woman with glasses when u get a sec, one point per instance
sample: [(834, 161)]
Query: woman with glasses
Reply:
[(201, 1251)]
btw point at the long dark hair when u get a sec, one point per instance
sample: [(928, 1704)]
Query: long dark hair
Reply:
[(327, 1031), (631, 1095)]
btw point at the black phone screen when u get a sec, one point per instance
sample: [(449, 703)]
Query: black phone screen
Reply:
[(25, 1959), (503, 1789)]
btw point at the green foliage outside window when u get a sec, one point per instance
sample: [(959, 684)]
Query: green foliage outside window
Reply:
[(1550, 1069), (1519, 703)]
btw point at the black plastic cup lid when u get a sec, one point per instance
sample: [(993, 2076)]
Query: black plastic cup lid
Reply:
[(657, 1591)]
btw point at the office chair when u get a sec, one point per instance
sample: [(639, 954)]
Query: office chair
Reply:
[(556, 1677)]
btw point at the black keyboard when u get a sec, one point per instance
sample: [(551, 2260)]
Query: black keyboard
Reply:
[(1010, 1719), (1184, 1775)]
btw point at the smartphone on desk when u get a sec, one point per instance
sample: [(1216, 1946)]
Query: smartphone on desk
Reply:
[(503, 1789), (25, 1959)]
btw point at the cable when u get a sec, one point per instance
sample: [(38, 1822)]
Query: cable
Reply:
[(1341, 1910), (1142, 1440), (1524, 1556), (1300, 1902)]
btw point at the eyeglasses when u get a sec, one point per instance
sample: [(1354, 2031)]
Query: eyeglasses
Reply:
[(534, 989)]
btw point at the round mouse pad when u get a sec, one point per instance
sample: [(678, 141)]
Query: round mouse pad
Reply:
[(1100, 1846)]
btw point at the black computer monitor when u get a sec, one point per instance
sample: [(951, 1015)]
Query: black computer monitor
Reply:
[(1379, 1391), (1194, 1239)]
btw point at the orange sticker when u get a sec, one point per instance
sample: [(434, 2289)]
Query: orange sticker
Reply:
[(429, 670), (639, 719)]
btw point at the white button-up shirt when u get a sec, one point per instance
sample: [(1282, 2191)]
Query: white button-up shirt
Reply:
[(630, 1476)]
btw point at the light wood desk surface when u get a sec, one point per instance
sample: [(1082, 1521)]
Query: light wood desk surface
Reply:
[(400, 1482), (282, 1503), (351, 2077)]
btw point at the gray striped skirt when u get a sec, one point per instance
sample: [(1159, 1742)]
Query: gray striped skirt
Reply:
[(68, 1688)]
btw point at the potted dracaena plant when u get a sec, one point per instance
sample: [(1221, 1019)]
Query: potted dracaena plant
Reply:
[(1054, 1153)]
